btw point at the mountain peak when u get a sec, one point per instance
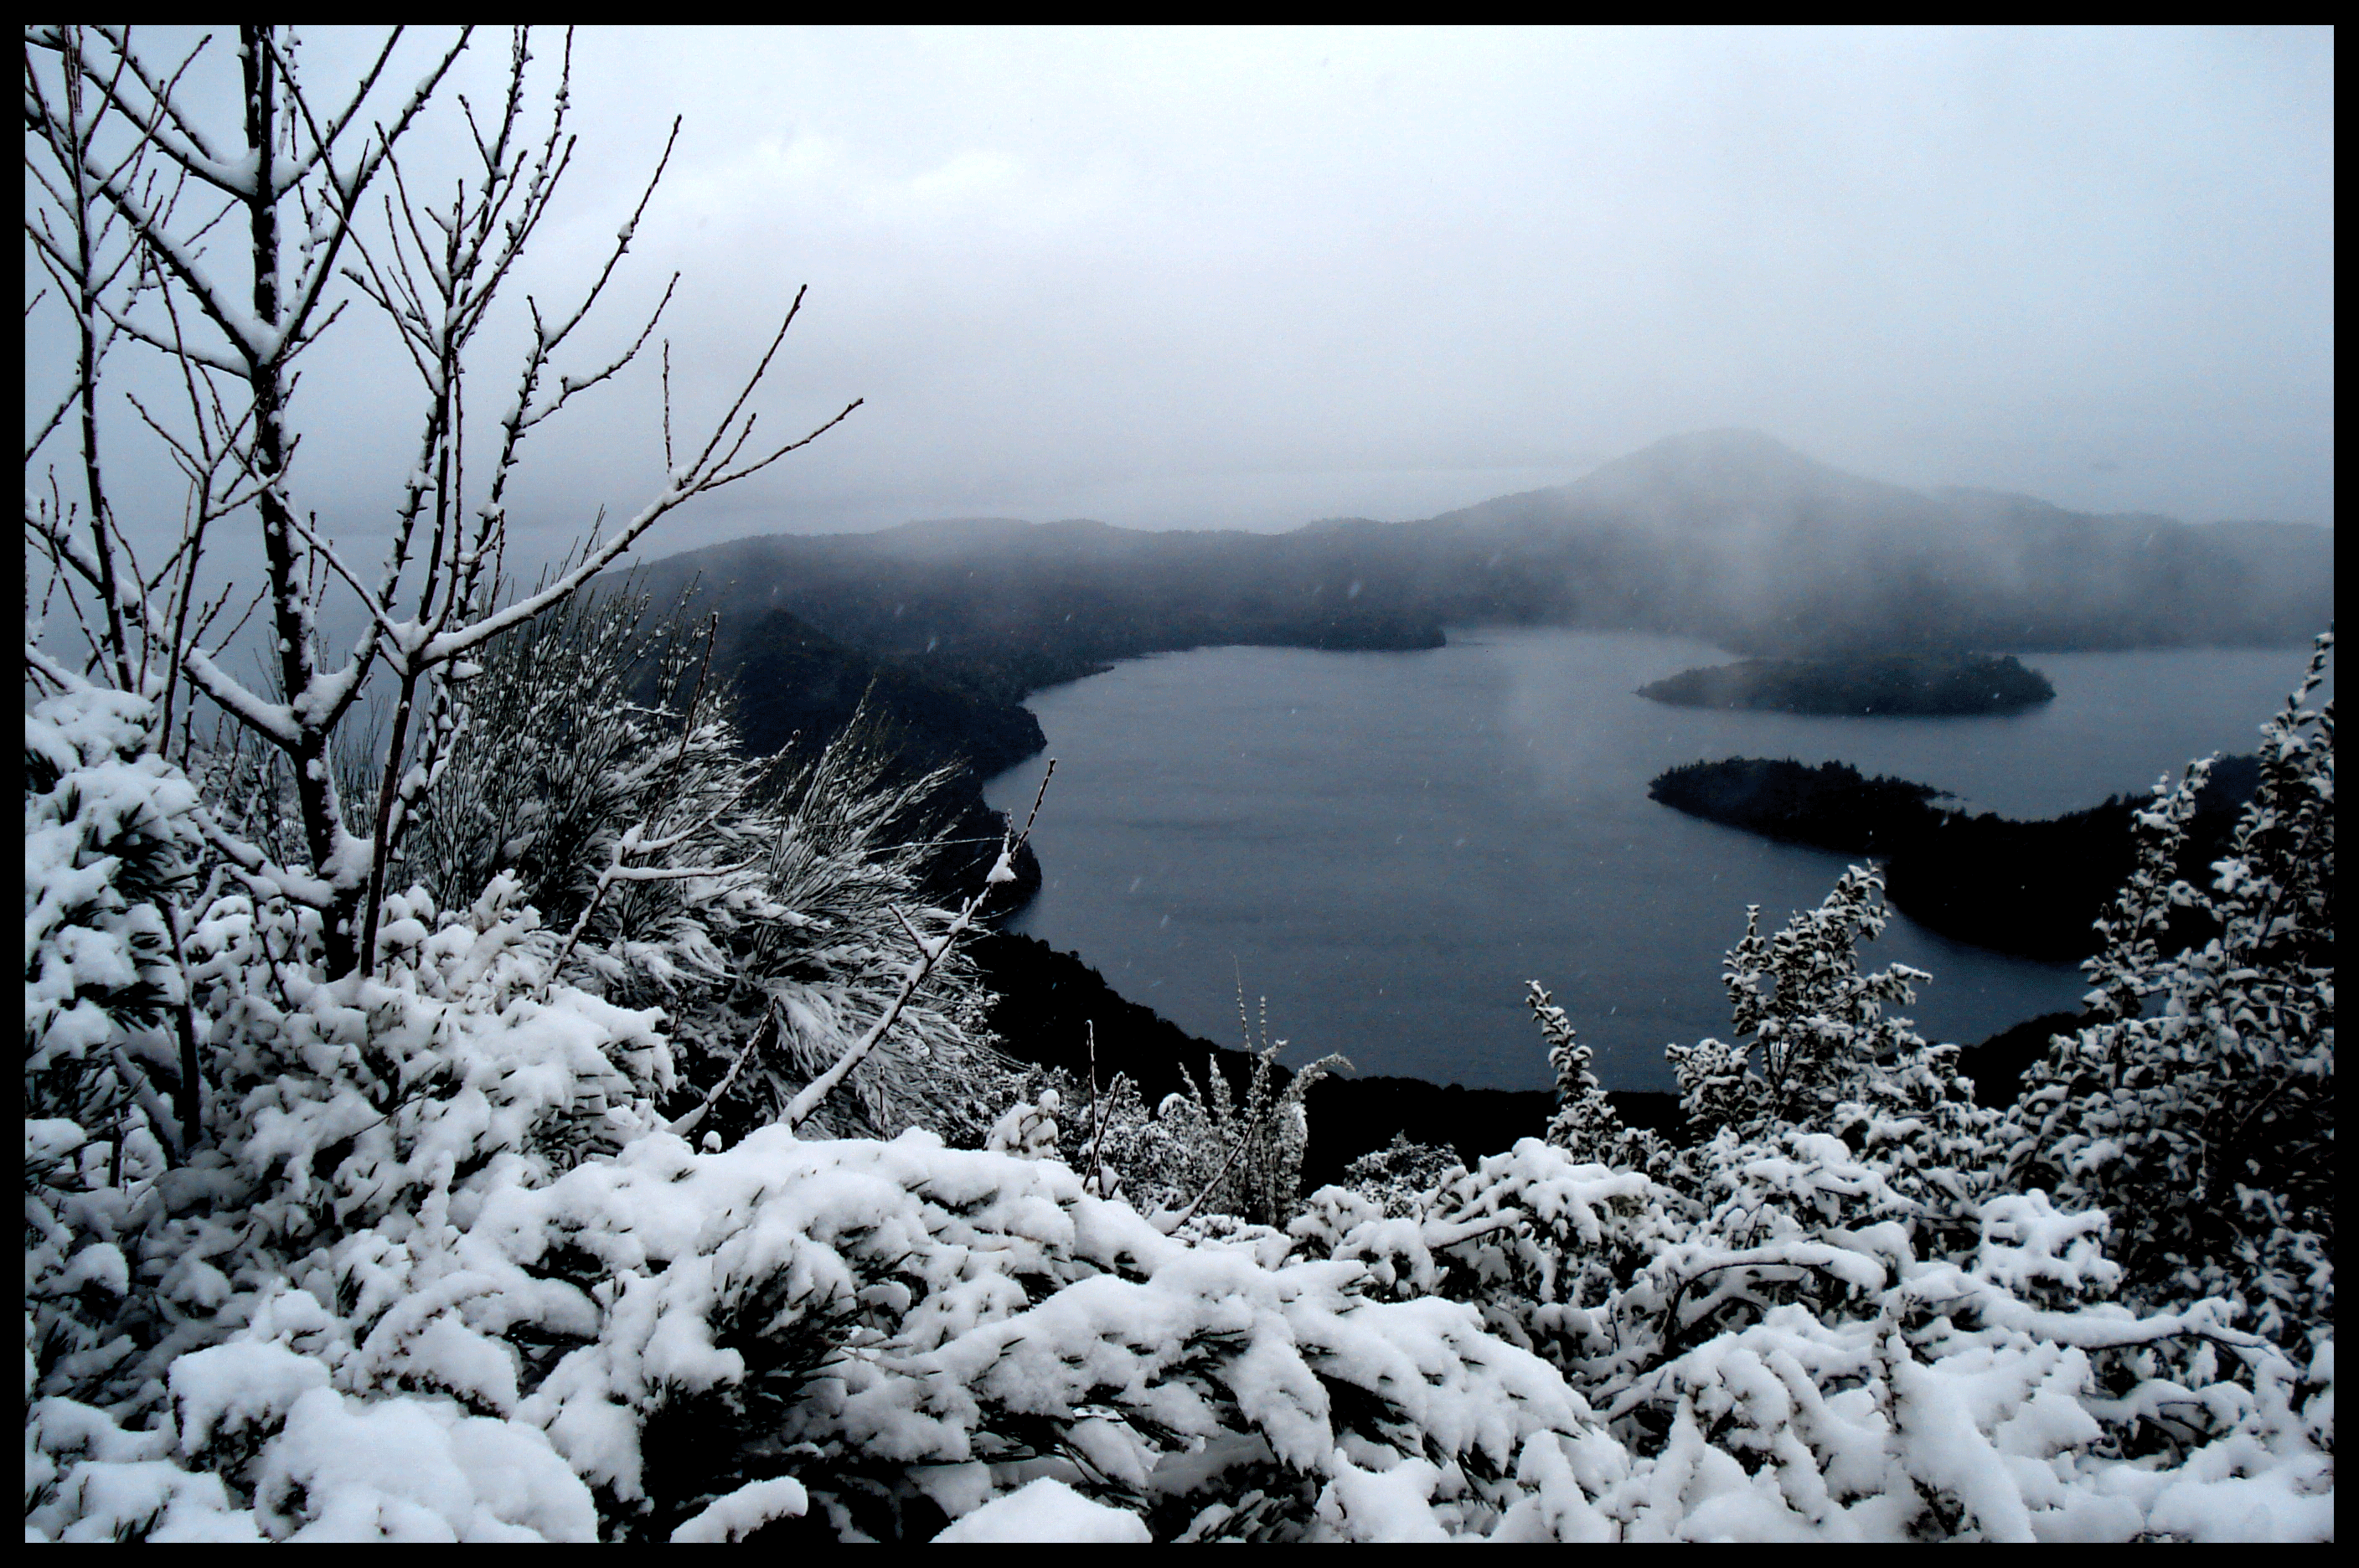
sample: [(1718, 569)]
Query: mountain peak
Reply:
[(1730, 442), (1712, 479)]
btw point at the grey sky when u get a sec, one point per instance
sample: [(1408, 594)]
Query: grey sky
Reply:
[(1220, 278)]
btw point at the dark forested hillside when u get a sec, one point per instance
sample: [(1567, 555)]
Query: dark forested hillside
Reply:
[(1049, 1003), (1725, 536), (797, 689), (793, 681)]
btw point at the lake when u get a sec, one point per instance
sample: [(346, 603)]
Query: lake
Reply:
[(1386, 846)]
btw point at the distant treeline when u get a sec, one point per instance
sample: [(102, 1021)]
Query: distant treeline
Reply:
[(2032, 888), (1050, 1001), (796, 685), (1724, 536), (1875, 685)]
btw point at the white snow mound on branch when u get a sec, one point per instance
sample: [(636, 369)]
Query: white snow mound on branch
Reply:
[(1049, 1510)]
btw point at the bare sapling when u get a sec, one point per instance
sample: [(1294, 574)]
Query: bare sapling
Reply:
[(136, 186)]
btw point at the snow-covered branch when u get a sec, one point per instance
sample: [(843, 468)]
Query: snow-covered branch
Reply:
[(930, 953)]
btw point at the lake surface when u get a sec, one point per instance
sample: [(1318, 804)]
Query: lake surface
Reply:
[(1388, 845)]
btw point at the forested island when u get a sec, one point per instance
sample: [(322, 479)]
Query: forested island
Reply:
[(2032, 888), (1895, 684)]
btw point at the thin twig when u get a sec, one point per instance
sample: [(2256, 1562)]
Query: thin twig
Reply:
[(685, 1124), (930, 954)]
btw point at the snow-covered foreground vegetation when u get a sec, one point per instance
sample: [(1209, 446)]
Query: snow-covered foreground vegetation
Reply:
[(534, 1120), (431, 1262)]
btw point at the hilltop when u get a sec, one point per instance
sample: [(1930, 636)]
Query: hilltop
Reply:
[(1727, 535)]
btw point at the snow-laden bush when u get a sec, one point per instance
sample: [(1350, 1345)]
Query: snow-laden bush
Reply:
[(1792, 1368), (902, 1330), (108, 844), (1397, 1177), (1837, 1323), (437, 1267), (369, 1106), (1205, 1151), (1239, 1156), (1820, 1035), (2205, 1124), (768, 907), (1585, 1125)]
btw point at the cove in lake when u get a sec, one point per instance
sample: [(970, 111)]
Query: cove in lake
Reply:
[(1388, 845)]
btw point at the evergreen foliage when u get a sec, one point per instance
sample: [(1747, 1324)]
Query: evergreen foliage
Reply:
[(600, 1139), (109, 847), (2205, 1125), (1586, 1125)]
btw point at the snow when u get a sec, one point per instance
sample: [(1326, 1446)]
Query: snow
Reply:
[(227, 1389), (439, 1272), (745, 1511), (409, 1469), (1390, 1506), (1048, 1510)]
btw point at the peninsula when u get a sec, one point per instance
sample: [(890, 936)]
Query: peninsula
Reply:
[(2031, 889)]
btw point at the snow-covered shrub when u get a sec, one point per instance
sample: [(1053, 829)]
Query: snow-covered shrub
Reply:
[(842, 862), (1156, 1158), (901, 1331), (109, 843), (1855, 1392), (1537, 1241), (769, 909), (1201, 1152), (562, 752), (1791, 1365), (1397, 1177), (354, 1130), (366, 1106), (2205, 1124), (1820, 1035), (1029, 1127), (109, 847), (1585, 1126), (1243, 1158), (908, 1329)]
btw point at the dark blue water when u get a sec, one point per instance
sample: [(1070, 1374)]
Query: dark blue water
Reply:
[(1388, 845)]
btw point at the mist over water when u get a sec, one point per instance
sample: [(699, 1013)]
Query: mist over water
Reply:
[(1388, 845)]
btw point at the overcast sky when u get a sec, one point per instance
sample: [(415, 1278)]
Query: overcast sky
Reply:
[(1220, 278)]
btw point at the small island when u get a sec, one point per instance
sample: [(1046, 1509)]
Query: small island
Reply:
[(1941, 685)]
